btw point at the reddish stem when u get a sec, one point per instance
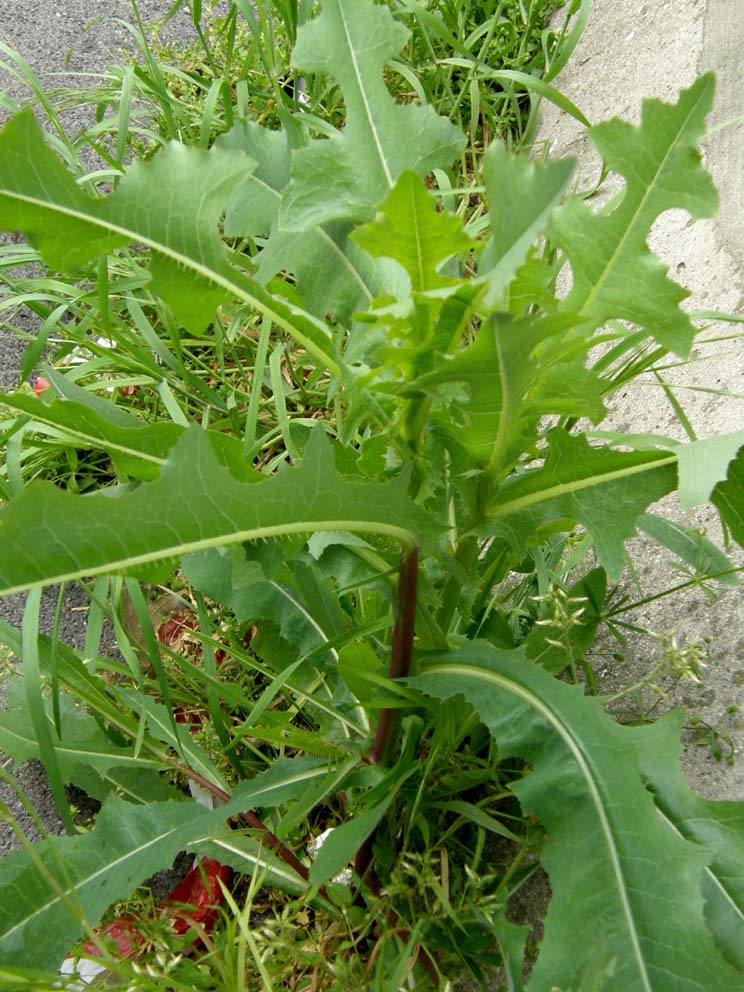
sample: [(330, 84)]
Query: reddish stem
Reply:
[(251, 820), (401, 652)]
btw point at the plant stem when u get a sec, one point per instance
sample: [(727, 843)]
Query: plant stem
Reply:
[(388, 725), (400, 654), (250, 819)]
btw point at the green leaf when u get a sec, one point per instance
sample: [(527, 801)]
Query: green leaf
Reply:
[(138, 450), (249, 856), (132, 782), (69, 878), (516, 372), (626, 886), (718, 825), (603, 490), (285, 780), (344, 841), (512, 939), (344, 177), (195, 504), (691, 546), (332, 274), (254, 204), (228, 577), (522, 195), (356, 662), (163, 727), (728, 498), (608, 251), (82, 740), (703, 464), (409, 229), (170, 204), (86, 873)]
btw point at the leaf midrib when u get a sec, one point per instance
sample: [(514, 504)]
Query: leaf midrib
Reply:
[(211, 275), (83, 753), (325, 236), (461, 672), (631, 226), (565, 488), (367, 110), (405, 537), (89, 879)]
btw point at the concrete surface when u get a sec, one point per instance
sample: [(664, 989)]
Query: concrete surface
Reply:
[(632, 50)]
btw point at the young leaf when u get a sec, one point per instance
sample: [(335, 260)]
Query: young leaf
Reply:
[(346, 176), (516, 372), (521, 197), (602, 489), (409, 229), (171, 204), (195, 504), (631, 911), (332, 274), (615, 276)]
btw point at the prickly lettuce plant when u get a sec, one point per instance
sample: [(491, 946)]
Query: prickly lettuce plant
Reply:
[(370, 581)]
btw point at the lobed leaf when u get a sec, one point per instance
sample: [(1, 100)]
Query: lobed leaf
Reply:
[(408, 229), (137, 449), (170, 204), (82, 739), (602, 489), (195, 504), (716, 824), (626, 887), (333, 275), (522, 196), (516, 371), (615, 276), (346, 176), (67, 879)]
